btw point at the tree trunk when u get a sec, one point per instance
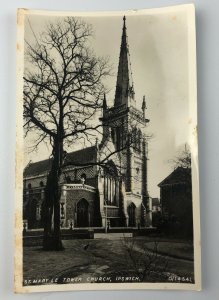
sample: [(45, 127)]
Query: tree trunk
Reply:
[(52, 231)]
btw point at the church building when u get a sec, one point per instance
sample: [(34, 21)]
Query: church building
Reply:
[(93, 193)]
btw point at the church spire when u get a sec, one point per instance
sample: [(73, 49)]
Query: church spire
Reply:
[(124, 85)]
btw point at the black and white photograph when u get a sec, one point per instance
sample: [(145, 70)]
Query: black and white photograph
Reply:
[(107, 192)]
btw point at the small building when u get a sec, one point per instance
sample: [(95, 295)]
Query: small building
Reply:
[(176, 202)]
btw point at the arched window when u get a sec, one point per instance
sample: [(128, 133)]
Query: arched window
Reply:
[(41, 183), (30, 190), (139, 140), (134, 137), (110, 184)]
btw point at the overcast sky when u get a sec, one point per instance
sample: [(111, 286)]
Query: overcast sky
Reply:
[(158, 45)]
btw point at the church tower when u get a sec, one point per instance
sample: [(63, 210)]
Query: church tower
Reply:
[(127, 125)]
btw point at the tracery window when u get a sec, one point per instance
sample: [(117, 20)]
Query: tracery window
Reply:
[(30, 190), (136, 139), (111, 185), (110, 190)]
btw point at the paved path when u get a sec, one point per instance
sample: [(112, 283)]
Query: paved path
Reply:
[(112, 236)]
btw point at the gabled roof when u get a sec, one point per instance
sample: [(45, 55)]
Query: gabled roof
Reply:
[(179, 175), (83, 156), (37, 168)]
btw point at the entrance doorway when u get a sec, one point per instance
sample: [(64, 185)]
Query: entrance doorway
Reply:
[(131, 213), (82, 213)]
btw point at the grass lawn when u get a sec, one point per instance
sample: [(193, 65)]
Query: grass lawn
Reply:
[(112, 258), (169, 247)]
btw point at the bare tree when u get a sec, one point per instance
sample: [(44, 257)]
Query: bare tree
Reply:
[(182, 159), (63, 91), (145, 263)]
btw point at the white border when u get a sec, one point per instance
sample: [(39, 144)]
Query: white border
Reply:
[(19, 288)]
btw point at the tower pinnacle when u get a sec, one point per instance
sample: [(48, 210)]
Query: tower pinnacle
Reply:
[(104, 102), (124, 19), (143, 106)]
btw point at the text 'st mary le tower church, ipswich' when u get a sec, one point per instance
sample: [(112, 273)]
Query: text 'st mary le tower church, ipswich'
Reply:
[(93, 194)]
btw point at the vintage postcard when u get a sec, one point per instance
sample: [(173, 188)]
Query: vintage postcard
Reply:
[(107, 193)]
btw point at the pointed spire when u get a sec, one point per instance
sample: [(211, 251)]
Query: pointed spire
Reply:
[(143, 103), (124, 84), (106, 131), (124, 37), (143, 106), (104, 106), (124, 19), (104, 102)]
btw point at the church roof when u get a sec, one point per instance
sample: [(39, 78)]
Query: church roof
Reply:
[(179, 175), (83, 156)]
